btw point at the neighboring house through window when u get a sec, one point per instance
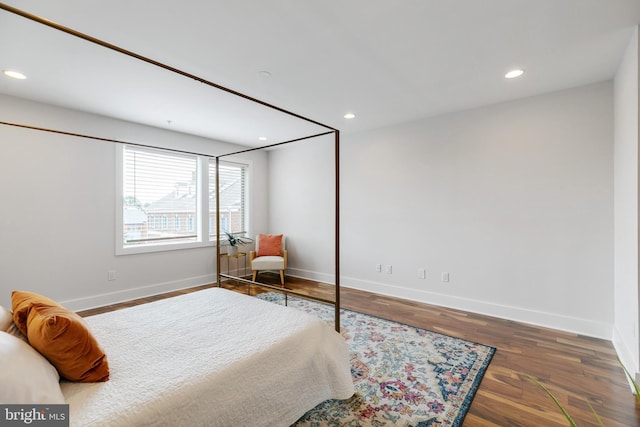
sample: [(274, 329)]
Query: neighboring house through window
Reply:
[(233, 194), (161, 201)]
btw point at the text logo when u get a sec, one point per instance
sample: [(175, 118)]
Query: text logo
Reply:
[(34, 415)]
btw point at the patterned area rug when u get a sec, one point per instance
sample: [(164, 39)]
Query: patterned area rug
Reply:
[(403, 376)]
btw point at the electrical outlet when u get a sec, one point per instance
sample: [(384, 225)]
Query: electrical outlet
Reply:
[(111, 275), (422, 273), (379, 268), (445, 276), (388, 269)]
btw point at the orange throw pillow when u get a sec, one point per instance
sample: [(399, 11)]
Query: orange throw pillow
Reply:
[(270, 245), (61, 336), (22, 302)]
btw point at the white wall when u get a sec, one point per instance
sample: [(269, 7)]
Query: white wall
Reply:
[(57, 214), (514, 200), (302, 205), (626, 95)]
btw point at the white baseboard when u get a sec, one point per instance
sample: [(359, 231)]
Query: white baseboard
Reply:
[(311, 275), (133, 293), (538, 318), (626, 356), (549, 320)]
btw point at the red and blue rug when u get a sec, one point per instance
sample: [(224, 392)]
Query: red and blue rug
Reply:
[(403, 376)]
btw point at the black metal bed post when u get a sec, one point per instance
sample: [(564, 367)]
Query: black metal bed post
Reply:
[(337, 237), (134, 55), (218, 262)]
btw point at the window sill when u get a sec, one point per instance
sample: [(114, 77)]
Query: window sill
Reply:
[(143, 249)]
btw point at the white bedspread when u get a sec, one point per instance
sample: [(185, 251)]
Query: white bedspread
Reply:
[(214, 358)]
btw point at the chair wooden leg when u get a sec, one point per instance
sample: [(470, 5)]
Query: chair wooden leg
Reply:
[(282, 277), (255, 273)]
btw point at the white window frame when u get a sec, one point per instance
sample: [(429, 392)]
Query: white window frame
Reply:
[(246, 166), (201, 223)]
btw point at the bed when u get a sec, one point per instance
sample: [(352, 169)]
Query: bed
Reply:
[(212, 357)]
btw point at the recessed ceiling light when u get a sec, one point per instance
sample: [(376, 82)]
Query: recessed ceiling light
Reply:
[(349, 116), (514, 73), (14, 74), (262, 138)]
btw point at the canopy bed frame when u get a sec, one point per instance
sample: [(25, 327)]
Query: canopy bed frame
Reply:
[(328, 130)]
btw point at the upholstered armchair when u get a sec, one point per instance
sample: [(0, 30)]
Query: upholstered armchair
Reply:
[(270, 254)]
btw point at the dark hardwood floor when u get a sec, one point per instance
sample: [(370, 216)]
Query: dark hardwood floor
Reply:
[(573, 367)]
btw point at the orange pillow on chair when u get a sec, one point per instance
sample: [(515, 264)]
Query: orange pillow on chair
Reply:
[(61, 336), (270, 245)]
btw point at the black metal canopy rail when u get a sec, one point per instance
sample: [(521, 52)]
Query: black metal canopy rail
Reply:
[(330, 130)]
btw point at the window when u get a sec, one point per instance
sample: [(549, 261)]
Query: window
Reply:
[(159, 189), (233, 206)]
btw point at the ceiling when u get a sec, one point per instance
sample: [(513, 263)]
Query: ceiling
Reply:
[(386, 61)]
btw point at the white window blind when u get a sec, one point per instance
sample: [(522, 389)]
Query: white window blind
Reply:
[(233, 206), (159, 197)]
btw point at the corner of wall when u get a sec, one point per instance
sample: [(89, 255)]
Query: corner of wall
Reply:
[(625, 355), (626, 212)]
